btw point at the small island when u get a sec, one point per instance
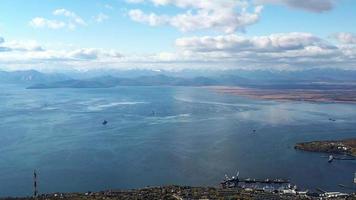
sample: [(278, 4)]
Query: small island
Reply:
[(346, 147)]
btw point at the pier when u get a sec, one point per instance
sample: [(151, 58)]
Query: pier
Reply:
[(235, 180), (268, 181)]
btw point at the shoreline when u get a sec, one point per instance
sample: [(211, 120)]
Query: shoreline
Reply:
[(341, 147), (346, 96), (174, 192)]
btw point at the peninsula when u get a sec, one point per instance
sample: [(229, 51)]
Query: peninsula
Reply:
[(347, 147), (321, 94)]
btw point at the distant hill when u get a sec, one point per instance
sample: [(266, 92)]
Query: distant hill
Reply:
[(109, 81), (29, 77), (303, 74), (162, 80), (303, 79)]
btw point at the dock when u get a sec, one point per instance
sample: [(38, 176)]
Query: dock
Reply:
[(234, 181), (268, 181)]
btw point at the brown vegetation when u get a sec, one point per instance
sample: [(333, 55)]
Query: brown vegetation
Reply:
[(347, 146), (312, 95)]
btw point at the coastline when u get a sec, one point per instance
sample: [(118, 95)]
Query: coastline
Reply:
[(347, 96), (176, 192), (343, 147)]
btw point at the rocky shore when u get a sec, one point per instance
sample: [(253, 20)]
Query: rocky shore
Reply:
[(347, 146)]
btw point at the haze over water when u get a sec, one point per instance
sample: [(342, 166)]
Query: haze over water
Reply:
[(160, 136)]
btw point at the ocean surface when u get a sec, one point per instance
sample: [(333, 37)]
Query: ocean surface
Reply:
[(160, 136)]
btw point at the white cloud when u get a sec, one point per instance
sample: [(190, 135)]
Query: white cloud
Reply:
[(223, 15), (24, 46), (135, 1), (19, 46), (101, 17), (276, 51), (273, 51), (309, 5), (151, 19), (108, 6), (72, 20), (25, 54), (346, 38), (93, 53), (40, 22), (236, 43)]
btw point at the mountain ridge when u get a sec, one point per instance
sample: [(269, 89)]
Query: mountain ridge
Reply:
[(307, 79)]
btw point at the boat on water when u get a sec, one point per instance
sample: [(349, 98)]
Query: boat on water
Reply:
[(342, 157), (105, 122), (234, 181), (331, 158), (331, 119)]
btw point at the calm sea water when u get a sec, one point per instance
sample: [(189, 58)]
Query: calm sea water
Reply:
[(160, 136)]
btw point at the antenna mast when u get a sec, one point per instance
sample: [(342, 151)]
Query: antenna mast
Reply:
[(35, 190)]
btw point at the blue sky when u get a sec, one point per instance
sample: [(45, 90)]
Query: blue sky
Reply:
[(176, 34)]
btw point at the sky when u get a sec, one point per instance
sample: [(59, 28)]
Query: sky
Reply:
[(62, 35)]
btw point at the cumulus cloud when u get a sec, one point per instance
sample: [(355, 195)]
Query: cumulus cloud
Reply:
[(71, 21), (309, 5), (101, 17), (108, 6), (21, 46), (19, 54), (276, 50), (223, 15), (346, 38), (2, 48), (74, 18), (236, 43), (151, 19), (134, 1), (93, 53), (24, 46), (39, 22)]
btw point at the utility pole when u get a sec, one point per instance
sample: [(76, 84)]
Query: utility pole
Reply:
[(355, 180), (35, 190)]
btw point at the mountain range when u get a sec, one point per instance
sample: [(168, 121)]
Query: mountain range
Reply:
[(314, 78)]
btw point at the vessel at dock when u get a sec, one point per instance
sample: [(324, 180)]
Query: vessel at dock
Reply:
[(234, 181)]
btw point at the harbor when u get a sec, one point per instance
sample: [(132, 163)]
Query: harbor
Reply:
[(174, 192), (230, 188), (284, 187)]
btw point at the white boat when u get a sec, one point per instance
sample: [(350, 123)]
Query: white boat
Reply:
[(331, 158)]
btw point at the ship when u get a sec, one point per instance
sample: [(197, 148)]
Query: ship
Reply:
[(331, 158), (230, 182), (249, 180), (234, 181)]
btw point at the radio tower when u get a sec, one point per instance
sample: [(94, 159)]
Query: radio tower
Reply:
[(35, 190)]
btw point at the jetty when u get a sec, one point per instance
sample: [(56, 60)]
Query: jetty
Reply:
[(268, 181), (235, 180)]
